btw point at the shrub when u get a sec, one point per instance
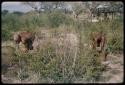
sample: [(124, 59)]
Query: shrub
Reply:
[(53, 62), (6, 35), (56, 19)]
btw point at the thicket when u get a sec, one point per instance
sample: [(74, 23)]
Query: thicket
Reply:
[(46, 63)]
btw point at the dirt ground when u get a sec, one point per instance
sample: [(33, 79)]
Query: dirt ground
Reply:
[(114, 72)]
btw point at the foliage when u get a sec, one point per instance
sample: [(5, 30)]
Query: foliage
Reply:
[(58, 67)]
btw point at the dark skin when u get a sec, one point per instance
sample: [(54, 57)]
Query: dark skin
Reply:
[(99, 40)]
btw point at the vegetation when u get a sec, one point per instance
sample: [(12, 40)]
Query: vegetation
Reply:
[(58, 67)]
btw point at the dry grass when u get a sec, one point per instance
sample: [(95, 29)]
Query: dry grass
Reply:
[(63, 55)]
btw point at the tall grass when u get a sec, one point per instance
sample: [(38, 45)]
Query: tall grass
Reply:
[(54, 63)]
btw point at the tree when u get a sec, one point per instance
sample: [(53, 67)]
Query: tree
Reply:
[(77, 8), (4, 12), (18, 13), (44, 6), (91, 6), (35, 5)]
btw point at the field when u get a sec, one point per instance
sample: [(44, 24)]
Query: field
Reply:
[(64, 54)]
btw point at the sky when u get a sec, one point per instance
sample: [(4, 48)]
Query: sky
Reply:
[(18, 6), (15, 6)]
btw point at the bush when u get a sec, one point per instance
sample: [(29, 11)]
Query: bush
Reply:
[(7, 57), (11, 22), (116, 42), (56, 19), (113, 30), (6, 35), (58, 66)]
